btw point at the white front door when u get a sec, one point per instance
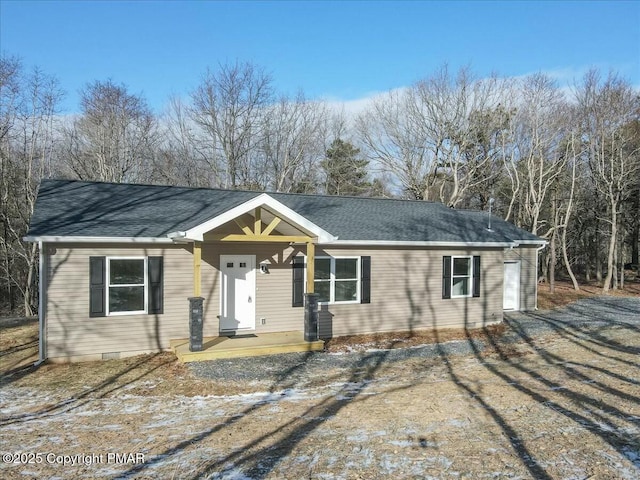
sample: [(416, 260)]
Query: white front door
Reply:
[(511, 296), (237, 292)]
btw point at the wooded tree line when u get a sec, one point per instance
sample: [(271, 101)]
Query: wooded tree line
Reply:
[(561, 163)]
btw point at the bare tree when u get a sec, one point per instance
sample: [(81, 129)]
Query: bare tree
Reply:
[(457, 111), (431, 135), (27, 134), (180, 159), (113, 138), (573, 154), (608, 107), (228, 105), (393, 136), (540, 129), (291, 142)]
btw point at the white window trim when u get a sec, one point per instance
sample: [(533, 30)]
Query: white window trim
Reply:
[(108, 287), (470, 276), (332, 279)]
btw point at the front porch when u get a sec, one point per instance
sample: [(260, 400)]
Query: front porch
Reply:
[(245, 346)]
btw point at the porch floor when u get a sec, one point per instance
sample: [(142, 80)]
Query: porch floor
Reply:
[(244, 346)]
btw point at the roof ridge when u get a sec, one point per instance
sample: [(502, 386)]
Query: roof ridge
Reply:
[(257, 192)]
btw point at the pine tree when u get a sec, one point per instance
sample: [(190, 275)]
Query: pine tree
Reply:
[(345, 170)]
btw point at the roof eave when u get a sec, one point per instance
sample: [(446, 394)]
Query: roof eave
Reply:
[(541, 242), (406, 243), (81, 239)]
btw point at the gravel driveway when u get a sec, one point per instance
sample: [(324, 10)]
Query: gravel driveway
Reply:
[(301, 368)]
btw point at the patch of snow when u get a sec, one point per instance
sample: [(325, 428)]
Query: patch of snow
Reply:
[(162, 423), (402, 443), (112, 427), (230, 474), (454, 422), (29, 472), (88, 413), (358, 436), (131, 408)]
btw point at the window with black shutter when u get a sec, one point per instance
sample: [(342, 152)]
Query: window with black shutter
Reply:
[(336, 279), (460, 276), (125, 285)]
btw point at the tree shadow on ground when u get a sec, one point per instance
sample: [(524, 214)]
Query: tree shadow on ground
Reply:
[(109, 385), (257, 458), (596, 412), (519, 447)]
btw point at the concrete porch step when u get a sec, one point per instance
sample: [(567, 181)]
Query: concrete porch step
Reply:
[(249, 345)]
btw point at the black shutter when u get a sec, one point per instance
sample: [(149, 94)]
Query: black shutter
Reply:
[(155, 278), (446, 277), (476, 276), (97, 287), (298, 281), (365, 279)]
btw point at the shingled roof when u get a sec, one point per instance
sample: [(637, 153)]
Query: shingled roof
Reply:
[(66, 208)]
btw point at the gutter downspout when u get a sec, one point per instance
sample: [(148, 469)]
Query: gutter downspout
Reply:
[(538, 250), (41, 306)]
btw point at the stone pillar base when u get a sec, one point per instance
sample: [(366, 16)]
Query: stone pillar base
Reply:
[(196, 317), (311, 317)]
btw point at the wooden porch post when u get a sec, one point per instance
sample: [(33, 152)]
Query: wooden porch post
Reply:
[(257, 226), (311, 257), (197, 260)]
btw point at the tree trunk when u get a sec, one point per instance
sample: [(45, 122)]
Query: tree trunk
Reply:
[(635, 234), (614, 275), (597, 254), (612, 247), (567, 265), (28, 288), (622, 270), (552, 262), (587, 260)]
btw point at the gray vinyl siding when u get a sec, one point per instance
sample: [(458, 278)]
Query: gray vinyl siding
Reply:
[(71, 333), (527, 256), (406, 294)]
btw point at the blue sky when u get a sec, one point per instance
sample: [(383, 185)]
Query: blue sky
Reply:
[(335, 50)]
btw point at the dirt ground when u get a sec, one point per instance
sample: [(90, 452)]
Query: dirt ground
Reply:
[(565, 405)]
